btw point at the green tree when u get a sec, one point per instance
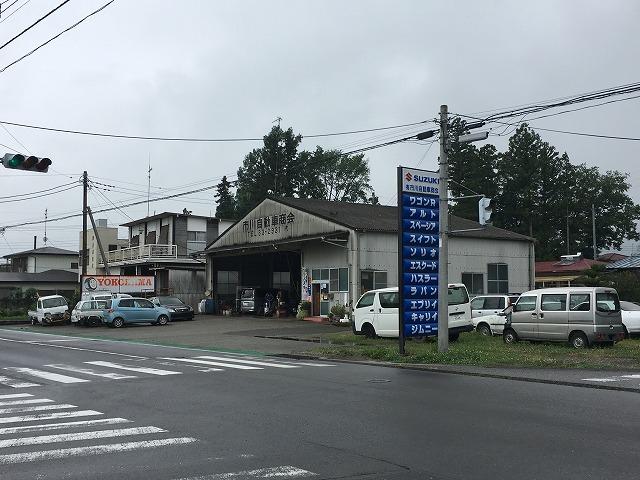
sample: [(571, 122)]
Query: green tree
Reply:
[(226, 200), (335, 176), (272, 169)]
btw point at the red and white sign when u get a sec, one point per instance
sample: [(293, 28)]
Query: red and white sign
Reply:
[(118, 283)]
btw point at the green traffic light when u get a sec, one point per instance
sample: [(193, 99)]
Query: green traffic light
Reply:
[(15, 161)]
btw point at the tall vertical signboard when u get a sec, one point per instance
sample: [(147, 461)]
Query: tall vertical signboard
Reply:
[(418, 240)]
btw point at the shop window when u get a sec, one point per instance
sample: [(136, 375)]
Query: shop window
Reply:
[(227, 281), (281, 280), (474, 283), (370, 280), (497, 278)]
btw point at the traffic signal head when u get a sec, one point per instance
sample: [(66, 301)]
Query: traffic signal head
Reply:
[(485, 209), (17, 161)]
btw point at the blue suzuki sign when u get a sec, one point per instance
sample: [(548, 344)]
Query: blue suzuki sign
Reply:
[(418, 248)]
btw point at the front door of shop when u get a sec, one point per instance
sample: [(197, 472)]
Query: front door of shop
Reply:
[(315, 299)]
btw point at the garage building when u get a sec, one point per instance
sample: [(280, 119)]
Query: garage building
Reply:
[(331, 252)]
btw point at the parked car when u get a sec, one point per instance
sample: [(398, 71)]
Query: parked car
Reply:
[(489, 325), (177, 308), (103, 295), (49, 310), (252, 300), (580, 315), (630, 318), (120, 311), (491, 304), (88, 312), (376, 312)]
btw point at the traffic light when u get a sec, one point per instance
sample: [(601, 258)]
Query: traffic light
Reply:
[(484, 211), (17, 161)]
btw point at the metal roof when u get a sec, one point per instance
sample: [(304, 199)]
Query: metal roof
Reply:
[(42, 251), (164, 215), (629, 262), (53, 276)]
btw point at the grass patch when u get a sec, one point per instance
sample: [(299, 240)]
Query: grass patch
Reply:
[(475, 350)]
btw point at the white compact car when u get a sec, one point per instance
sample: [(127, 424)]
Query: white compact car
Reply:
[(489, 325), (630, 318)]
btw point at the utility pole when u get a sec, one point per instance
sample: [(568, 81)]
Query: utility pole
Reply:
[(568, 248), (85, 257), (149, 184), (593, 223), (443, 255)]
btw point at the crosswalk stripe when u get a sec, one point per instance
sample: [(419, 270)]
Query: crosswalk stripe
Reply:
[(25, 401), (283, 360), (74, 437), (61, 425), (151, 371), (92, 450), (37, 408), (283, 471), (16, 395), (89, 371), (249, 362), (14, 383), (49, 416), (215, 364), (54, 377)]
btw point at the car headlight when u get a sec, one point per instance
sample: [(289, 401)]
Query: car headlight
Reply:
[(172, 310)]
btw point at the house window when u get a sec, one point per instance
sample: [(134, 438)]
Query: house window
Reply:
[(227, 281), (497, 278), (370, 280), (474, 283), (112, 248), (196, 241), (338, 279), (281, 280), (74, 265)]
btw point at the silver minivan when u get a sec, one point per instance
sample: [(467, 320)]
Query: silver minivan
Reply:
[(578, 315)]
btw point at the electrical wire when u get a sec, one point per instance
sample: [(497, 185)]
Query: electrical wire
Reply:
[(15, 11), (38, 196), (34, 23), (56, 36), (38, 191)]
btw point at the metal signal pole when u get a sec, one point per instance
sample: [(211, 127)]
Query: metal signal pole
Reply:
[(443, 255)]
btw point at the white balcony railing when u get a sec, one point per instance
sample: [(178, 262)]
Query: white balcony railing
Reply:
[(143, 252)]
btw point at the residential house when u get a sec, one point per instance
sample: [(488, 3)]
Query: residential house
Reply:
[(560, 273)]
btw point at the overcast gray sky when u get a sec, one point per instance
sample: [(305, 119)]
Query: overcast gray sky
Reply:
[(228, 69)]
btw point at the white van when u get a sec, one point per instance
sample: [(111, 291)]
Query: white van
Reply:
[(376, 313), (578, 315)]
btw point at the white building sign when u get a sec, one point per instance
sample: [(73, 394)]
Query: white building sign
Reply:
[(118, 283)]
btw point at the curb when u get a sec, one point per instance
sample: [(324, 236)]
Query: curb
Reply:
[(429, 368)]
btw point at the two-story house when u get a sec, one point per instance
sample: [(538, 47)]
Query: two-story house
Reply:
[(42, 259), (168, 246)]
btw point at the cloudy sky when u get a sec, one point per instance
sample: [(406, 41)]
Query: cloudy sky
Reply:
[(227, 69)]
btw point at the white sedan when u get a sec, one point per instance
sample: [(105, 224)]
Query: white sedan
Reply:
[(630, 318)]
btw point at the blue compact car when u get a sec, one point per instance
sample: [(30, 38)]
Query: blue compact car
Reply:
[(120, 311)]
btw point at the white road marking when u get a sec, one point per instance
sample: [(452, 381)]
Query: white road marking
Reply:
[(630, 376), (49, 416), (61, 425), (603, 380), (37, 408), (14, 383), (54, 377), (284, 471), (92, 450), (16, 395), (74, 437), (32, 342), (249, 362), (151, 371), (89, 371), (24, 401), (215, 364)]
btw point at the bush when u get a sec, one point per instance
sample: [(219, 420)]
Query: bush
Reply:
[(305, 305), (302, 314), (338, 311)]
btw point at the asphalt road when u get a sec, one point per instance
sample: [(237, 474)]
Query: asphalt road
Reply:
[(90, 409)]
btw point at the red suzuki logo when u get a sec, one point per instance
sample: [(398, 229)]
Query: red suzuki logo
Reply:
[(408, 176)]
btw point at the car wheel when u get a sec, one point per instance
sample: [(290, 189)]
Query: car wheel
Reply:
[(578, 340), (34, 321), (484, 330), (453, 337), (369, 331), (162, 320), (509, 336), (117, 322)]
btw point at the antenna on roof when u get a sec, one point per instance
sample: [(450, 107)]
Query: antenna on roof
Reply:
[(45, 227), (149, 184)]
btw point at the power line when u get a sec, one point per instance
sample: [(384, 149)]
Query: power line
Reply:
[(38, 191), (15, 11), (34, 23), (39, 196), (56, 36)]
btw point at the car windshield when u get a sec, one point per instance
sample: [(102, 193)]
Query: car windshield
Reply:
[(629, 307), (169, 301), (247, 293), (458, 295), (54, 302)]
